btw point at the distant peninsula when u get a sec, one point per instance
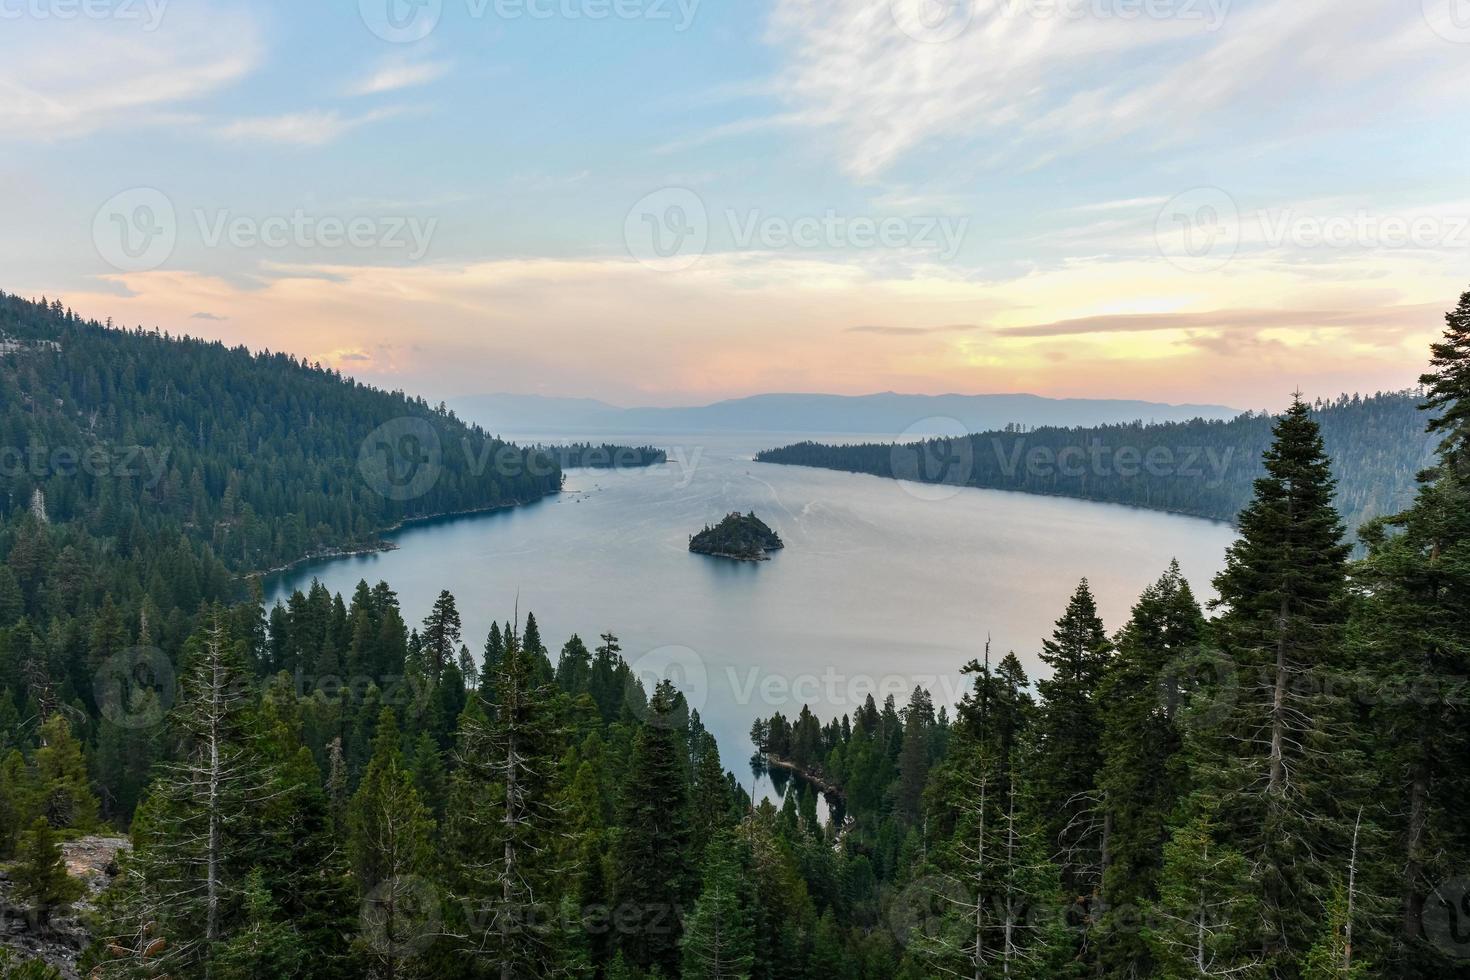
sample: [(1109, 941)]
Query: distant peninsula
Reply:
[(743, 537), (607, 456)]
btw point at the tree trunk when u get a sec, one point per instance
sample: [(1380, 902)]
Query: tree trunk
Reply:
[(1413, 901)]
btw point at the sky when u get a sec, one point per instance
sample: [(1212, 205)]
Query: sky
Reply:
[(663, 202)]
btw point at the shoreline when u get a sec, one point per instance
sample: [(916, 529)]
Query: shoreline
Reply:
[(382, 547)]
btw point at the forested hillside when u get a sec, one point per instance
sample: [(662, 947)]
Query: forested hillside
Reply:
[(1207, 468), (134, 435)]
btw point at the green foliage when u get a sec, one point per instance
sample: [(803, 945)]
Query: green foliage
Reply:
[(506, 816), (14, 969), (40, 875), (1069, 756), (65, 796), (1203, 467), (1203, 924), (742, 536), (654, 877), (718, 942), (253, 458), (1143, 778), (1283, 768), (265, 947)]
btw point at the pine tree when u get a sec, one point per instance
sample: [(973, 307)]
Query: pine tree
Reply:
[(265, 945), (1412, 630), (1281, 768), (718, 942), (653, 853), (66, 797), (1069, 757), (389, 841), (1204, 922), (574, 668), (1143, 779), (490, 663), (709, 796), (441, 635), (1449, 389), (17, 800), (191, 844), (913, 760), (997, 894), (40, 875), (509, 879)]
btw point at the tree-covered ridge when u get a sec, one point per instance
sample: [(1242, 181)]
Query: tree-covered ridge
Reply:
[(1207, 468), (131, 435), (741, 536), (605, 456)]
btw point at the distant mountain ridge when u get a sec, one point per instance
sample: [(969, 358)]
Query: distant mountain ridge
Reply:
[(886, 412)]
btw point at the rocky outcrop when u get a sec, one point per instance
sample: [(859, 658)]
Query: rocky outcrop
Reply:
[(60, 942)]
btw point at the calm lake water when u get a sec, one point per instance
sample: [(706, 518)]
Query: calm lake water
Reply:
[(882, 585)]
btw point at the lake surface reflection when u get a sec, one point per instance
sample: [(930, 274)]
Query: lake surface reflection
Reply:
[(881, 585)]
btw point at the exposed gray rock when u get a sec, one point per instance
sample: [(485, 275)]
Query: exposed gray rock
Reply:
[(92, 859)]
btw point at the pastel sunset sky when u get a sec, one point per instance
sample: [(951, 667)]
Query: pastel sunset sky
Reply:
[(674, 201)]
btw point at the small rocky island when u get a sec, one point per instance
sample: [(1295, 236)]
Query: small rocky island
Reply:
[(743, 537)]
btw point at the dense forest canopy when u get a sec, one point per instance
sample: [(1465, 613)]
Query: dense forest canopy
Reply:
[(1206, 468), (132, 436), (605, 456)]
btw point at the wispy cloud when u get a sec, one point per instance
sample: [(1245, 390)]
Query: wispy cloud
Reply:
[(311, 128), (884, 331), (1246, 319), (68, 80), (397, 74), (1035, 81)]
